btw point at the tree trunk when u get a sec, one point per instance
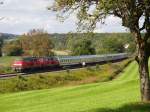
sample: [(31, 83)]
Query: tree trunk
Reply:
[(142, 60), (0, 52)]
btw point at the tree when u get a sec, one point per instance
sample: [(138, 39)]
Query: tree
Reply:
[(37, 43), (12, 48), (130, 12), (83, 47), (112, 44), (103, 43), (1, 45)]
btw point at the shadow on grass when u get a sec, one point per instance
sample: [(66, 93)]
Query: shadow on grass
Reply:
[(139, 107)]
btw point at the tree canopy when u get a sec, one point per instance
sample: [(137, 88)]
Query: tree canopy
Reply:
[(135, 15), (92, 11), (83, 47), (37, 43), (104, 43), (12, 48)]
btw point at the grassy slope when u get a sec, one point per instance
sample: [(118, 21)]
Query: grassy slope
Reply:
[(97, 97)]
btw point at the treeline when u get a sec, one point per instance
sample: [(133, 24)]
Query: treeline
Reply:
[(40, 43), (102, 43)]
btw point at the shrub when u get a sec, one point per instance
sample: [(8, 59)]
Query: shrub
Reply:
[(89, 69), (97, 67), (6, 70)]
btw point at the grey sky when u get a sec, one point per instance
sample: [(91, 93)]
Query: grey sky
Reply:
[(23, 15)]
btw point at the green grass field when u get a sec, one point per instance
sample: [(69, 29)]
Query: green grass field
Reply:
[(119, 95)]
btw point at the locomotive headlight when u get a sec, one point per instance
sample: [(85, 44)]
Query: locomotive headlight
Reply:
[(20, 64)]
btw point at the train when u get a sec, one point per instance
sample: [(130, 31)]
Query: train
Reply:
[(28, 63)]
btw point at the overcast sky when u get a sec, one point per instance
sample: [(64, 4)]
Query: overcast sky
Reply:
[(20, 16)]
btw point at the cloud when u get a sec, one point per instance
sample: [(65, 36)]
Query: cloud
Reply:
[(112, 24), (20, 16), (28, 5)]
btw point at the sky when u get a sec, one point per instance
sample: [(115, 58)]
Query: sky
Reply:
[(20, 16)]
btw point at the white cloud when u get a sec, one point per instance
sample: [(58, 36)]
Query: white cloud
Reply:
[(23, 15), (28, 5), (112, 24)]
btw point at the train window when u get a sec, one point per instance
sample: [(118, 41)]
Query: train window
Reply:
[(27, 59)]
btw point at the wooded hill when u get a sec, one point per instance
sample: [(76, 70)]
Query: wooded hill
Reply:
[(101, 42)]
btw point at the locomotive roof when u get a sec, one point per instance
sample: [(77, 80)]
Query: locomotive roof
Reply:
[(31, 58)]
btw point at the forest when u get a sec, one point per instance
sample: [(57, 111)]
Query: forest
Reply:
[(76, 43)]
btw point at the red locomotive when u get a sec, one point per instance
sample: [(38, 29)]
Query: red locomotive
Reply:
[(26, 63)]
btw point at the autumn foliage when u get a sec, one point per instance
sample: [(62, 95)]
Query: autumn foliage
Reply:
[(37, 43)]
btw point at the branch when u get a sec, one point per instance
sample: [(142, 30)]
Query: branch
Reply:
[(147, 25), (146, 36), (116, 13)]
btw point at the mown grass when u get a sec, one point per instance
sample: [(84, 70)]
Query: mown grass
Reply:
[(118, 95)]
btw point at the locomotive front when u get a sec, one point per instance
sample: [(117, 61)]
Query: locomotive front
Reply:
[(18, 65)]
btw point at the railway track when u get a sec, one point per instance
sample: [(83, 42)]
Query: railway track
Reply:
[(10, 75), (33, 72), (57, 69)]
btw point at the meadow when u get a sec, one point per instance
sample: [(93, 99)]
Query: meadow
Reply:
[(118, 95)]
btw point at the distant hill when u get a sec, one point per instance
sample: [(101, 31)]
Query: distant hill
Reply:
[(8, 36)]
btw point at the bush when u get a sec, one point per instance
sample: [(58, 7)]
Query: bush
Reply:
[(90, 69), (6, 70), (97, 67), (83, 47)]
